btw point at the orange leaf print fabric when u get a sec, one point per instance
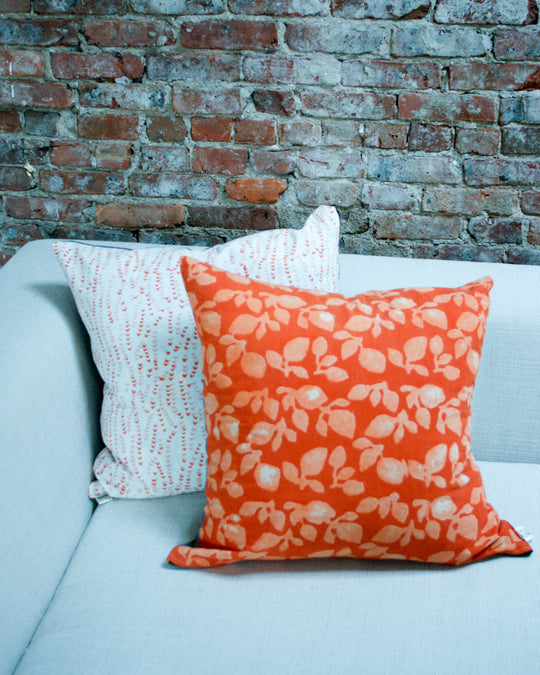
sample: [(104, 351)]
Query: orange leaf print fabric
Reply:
[(340, 427)]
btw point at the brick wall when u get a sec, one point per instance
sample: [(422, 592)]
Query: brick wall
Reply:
[(199, 120)]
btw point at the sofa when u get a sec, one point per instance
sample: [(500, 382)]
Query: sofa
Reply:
[(88, 589)]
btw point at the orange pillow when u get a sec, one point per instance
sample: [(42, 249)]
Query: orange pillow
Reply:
[(340, 427)]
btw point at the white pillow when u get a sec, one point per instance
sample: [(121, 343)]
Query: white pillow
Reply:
[(147, 350)]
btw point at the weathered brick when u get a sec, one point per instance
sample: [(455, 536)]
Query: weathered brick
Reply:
[(522, 108), (113, 156), (178, 237), (273, 8), (530, 202), (254, 132), (14, 178), (380, 9), (191, 66), (386, 135), (178, 7), (52, 124), (7, 6), (466, 201), (39, 32), (274, 161), (21, 151), (498, 171), (494, 76), (172, 185), (5, 255), (299, 132), (193, 102), (229, 35), (131, 96), (521, 141), (428, 40), (335, 192), (413, 169), (328, 163), (517, 45), (164, 158), (21, 63), (353, 221), (70, 154), (109, 127), (165, 129), (280, 68), (274, 102), (80, 6), (9, 121), (81, 182), (340, 38), (390, 197), (230, 161), (496, 230), (477, 141), (470, 252), (342, 133), (397, 225), (524, 257), (89, 233), (107, 66), (48, 208), (214, 129), (129, 215), (29, 94), (127, 33), (391, 74), (358, 105), (20, 235), (232, 217), (492, 12), (255, 190), (533, 236), (430, 137), (440, 107), (532, 82)]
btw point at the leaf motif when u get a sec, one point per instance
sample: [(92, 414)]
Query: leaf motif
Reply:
[(235, 490), (400, 512), (226, 461), (300, 372), (367, 505), (267, 477), (372, 360), (290, 472), (423, 417), (277, 518), (300, 419), (433, 529), (308, 532), (296, 350), (343, 422), (381, 426), (435, 317), (315, 485), (436, 345), (337, 457), (336, 374), (389, 534), (390, 400), (274, 359), (271, 408), (359, 392), (249, 508), (345, 473), (358, 323), (392, 470), (328, 360), (395, 357), (349, 348), (352, 532), (451, 373), (233, 353), (248, 462), (436, 458), (368, 458), (244, 324), (266, 541), (319, 346), (415, 348), (353, 487), (313, 461)]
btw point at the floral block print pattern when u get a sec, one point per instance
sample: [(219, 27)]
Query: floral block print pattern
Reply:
[(147, 350), (340, 427)]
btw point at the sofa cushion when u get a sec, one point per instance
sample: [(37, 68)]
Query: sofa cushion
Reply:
[(121, 609), (340, 427), (145, 346)]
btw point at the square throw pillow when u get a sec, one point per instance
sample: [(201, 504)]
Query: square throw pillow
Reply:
[(147, 350), (340, 427)]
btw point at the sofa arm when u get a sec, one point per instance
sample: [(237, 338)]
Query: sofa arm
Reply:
[(49, 433)]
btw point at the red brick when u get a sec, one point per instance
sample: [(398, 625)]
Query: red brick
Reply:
[(336, 37), (254, 132), (516, 45), (358, 105), (524, 256), (117, 33), (121, 214), (82, 182), (216, 129), (229, 35), (163, 158), (477, 141), (470, 252), (255, 190), (335, 192), (21, 63), (47, 208), (274, 161), (5, 255), (165, 129), (20, 235), (232, 217), (299, 133), (530, 202), (386, 135), (192, 66), (80, 6), (274, 102), (283, 68), (330, 163), (70, 154), (380, 9), (273, 8), (113, 156), (498, 171), (399, 225), (175, 8), (391, 74), (39, 32), (430, 137), (7, 6), (9, 121), (440, 107), (467, 201), (22, 151), (232, 162), (533, 236), (496, 230), (74, 66), (194, 102), (109, 127), (492, 76), (39, 94), (172, 185), (14, 178)]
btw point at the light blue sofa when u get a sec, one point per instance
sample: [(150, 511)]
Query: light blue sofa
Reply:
[(88, 590)]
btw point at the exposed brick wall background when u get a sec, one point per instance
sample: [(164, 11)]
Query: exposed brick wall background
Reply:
[(199, 120)]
